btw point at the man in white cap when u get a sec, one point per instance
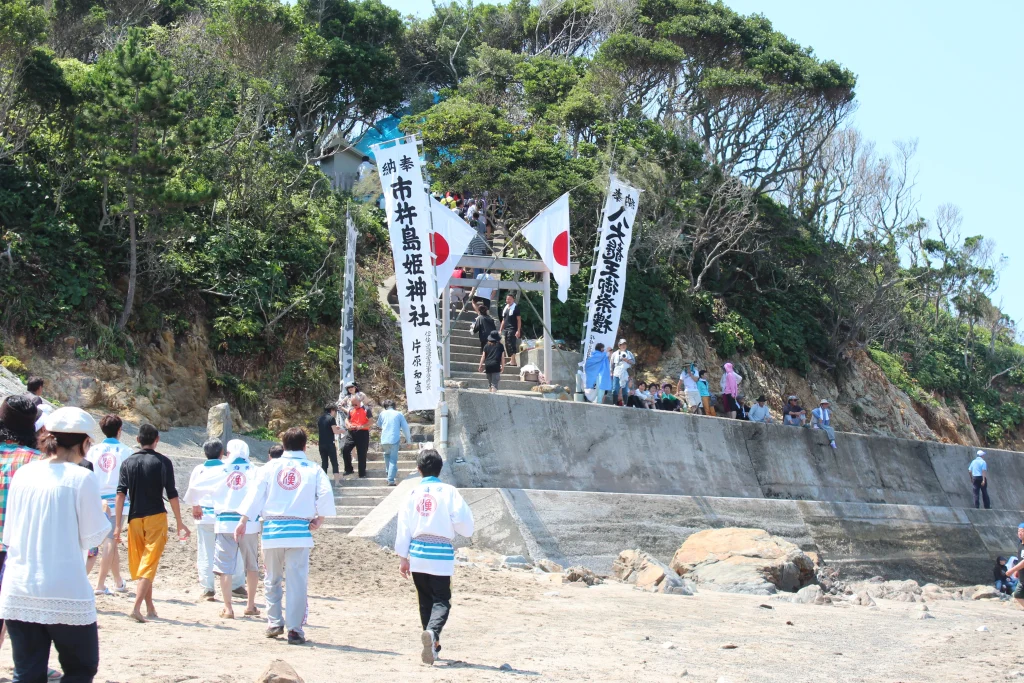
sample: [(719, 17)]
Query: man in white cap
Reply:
[(821, 418), (979, 477), (622, 360)]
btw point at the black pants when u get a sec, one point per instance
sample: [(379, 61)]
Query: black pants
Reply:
[(511, 344), (329, 454), (983, 489), (635, 402), (360, 440), (78, 648), (435, 595)]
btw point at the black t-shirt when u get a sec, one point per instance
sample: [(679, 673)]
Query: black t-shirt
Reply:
[(492, 357), (144, 477), (323, 427), (791, 409), (510, 317), (483, 326)]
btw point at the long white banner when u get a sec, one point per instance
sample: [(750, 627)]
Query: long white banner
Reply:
[(408, 211), (610, 280), (348, 309)]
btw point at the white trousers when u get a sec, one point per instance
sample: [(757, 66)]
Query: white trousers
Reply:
[(295, 563), (205, 540)]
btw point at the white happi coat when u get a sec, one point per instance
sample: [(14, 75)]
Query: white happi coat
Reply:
[(427, 522)]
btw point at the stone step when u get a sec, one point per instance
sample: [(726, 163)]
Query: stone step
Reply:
[(347, 500), (374, 477), (463, 367), (479, 381)]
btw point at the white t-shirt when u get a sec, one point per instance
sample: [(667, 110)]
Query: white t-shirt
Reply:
[(106, 458), (622, 361), (480, 291), (689, 381), (54, 516)]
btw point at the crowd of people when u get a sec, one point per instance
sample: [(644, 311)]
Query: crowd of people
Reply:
[(67, 481), (613, 370)]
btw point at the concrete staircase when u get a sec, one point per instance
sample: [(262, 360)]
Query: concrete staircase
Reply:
[(465, 359), (355, 497)]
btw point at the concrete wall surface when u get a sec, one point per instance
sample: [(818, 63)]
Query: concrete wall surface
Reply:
[(505, 441), (937, 544)]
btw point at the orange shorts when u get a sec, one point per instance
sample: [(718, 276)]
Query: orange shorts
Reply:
[(147, 537)]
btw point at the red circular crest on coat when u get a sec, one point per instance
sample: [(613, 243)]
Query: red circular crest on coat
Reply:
[(106, 462), (236, 480), (289, 479), (427, 505), (560, 249), (439, 249)]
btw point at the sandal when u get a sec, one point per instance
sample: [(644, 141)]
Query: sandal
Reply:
[(224, 614), (252, 613), (53, 675), (123, 588)]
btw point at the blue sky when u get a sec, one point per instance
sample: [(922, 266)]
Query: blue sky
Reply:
[(950, 75)]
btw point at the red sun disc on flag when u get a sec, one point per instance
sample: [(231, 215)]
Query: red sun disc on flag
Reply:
[(560, 249), (439, 249)]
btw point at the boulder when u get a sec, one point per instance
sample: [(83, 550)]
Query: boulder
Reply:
[(549, 566), (807, 595), (582, 575), (740, 560), (218, 423), (900, 591), (650, 574), (279, 671), (984, 593)]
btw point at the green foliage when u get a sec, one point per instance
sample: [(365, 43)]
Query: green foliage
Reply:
[(896, 373), (15, 366), (245, 394), (262, 433)]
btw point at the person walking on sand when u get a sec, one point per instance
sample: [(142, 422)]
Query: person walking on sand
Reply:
[(107, 457), (427, 523), (144, 478), (392, 426), (293, 496), (205, 518), (228, 488), (54, 515), (979, 478), (492, 361)]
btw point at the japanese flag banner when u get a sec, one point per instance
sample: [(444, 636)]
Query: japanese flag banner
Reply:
[(610, 266), (408, 212), (448, 241), (549, 235)]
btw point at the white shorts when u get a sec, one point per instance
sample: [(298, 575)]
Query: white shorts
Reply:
[(693, 398)]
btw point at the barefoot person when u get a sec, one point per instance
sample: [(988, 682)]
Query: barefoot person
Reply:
[(427, 522), (145, 476), (228, 488), (292, 495), (54, 515), (107, 457)]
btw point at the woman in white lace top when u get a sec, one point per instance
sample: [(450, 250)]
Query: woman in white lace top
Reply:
[(54, 515)]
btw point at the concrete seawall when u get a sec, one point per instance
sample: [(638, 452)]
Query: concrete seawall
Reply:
[(578, 483)]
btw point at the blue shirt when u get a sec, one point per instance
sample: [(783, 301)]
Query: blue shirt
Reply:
[(392, 425), (978, 467), (702, 388)]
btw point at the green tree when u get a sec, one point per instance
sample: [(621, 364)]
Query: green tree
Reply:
[(136, 127)]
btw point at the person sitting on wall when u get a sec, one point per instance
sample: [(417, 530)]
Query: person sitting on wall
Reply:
[(792, 414), (668, 401), (821, 418), (760, 412)]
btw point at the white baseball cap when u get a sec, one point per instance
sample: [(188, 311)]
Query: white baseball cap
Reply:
[(981, 454), (72, 421), (622, 341)]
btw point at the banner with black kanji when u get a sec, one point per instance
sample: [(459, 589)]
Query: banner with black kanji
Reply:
[(605, 308), (408, 210), (346, 355)]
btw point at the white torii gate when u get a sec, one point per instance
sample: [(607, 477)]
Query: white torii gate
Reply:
[(502, 264)]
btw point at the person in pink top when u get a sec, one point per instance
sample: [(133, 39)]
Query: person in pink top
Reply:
[(730, 390)]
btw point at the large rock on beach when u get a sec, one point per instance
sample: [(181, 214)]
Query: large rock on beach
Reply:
[(649, 574), (737, 560), (279, 671)]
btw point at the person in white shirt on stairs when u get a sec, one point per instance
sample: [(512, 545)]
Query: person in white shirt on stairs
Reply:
[(293, 495), (106, 458), (427, 523)]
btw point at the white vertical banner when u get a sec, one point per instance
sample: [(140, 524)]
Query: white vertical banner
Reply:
[(605, 307), (448, 241), (346, 351), (408, 210)]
